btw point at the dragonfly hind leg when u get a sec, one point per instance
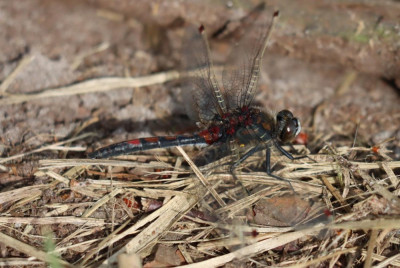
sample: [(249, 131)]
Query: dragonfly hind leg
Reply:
[(268, 165), (241, 160), (288, 155)]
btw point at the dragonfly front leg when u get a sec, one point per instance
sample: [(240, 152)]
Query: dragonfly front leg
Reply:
[(289, 155)]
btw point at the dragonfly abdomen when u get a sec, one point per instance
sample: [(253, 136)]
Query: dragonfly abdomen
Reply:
[(143, 144)]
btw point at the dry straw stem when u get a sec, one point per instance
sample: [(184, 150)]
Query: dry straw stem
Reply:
[(201, 177), (53, 220), (319, 260), (54, 146), (80, 58), (93, 85), (253, 249), (104, 242), (21, 193), (56, 176), (6, 83), (283, 239), (19, 262), (163, 218), (101, 202), (88, 86), (61, 163), (371, 246), (29, 250), (385, 262)]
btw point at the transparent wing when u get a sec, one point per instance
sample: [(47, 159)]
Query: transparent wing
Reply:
[(200, 78), (243, 140), (241, 73), (213, 153)]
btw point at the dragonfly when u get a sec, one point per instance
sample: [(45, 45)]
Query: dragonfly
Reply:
[(226, 113)]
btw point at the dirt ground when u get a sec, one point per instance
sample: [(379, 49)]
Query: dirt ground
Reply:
[(335, 65)]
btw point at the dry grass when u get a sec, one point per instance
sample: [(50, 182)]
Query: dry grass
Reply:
[(141, 206)]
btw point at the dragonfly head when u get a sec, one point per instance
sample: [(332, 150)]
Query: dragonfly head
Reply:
[(288, 127)]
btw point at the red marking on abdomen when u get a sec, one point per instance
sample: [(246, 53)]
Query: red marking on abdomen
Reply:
[(134, 142), (151, 139), (207, 136), (170, 138)]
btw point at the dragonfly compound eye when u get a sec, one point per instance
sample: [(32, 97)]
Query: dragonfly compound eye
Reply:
[(288, 126), (283, 116), (290, 130)]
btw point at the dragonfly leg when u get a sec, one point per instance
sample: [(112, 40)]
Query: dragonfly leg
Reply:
[(283, 151), (241, 160), (289, 155), (247, 155), (268, 165)]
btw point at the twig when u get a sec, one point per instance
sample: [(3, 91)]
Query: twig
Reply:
[(201, 177), (93, 85), (53, 220), (78, 59), (101, 202), (6, 83), (29, 250), (53, 146), (164, 217)]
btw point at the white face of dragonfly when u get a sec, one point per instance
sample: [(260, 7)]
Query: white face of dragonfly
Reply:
[(298, 128)]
